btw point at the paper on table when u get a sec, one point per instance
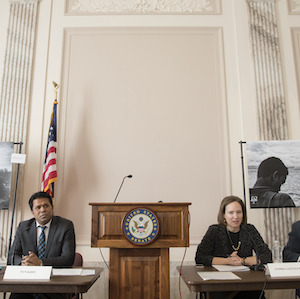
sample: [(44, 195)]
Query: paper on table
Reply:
[(72, 272), (86, 272), (231, 268), (66, 271), (213, 275)]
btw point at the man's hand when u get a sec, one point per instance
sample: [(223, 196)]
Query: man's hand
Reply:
[(31, 260)]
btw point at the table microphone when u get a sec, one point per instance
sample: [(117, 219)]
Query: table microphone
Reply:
[(128, 176), (259, 266)]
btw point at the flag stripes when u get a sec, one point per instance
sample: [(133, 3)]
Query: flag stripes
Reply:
[(49, 169)]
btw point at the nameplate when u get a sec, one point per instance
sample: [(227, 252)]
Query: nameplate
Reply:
[(27, 272), (284, 269)]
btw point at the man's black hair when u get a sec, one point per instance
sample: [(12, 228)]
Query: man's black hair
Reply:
[(39, 194), (268, 166)]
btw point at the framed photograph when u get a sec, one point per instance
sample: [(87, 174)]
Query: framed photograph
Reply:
[(273, 173), (6, 150)]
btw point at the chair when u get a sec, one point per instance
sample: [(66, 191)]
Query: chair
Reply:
[(78, 262)]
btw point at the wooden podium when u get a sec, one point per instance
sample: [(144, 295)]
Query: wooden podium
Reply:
[(139, 271)]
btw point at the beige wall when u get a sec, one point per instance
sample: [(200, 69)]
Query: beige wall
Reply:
[(164, 98)]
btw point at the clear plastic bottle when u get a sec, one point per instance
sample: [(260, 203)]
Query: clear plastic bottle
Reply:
[(277, 252)]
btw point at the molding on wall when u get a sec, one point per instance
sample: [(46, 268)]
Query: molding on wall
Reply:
[(294, 7), (23, 1), (271, 98), (73, 92), (296, 46), (15, 90), (98, 7)]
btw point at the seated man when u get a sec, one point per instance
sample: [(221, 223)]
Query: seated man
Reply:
[(291, 252), (43, 240), (271, 175)]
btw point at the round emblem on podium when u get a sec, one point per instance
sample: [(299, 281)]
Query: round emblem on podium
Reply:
[(140, 226)]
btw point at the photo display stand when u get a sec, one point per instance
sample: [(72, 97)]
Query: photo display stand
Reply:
[(273, 173), (243, 170), (14, 197)]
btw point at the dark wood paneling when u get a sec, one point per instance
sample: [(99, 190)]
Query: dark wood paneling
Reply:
[(107, 224), (139, 273)]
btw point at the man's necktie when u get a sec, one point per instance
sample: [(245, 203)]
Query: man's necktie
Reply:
[(42, 242)]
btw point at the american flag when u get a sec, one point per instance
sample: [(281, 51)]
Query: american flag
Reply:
[(49, 168)]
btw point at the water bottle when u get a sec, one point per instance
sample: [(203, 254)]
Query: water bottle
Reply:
[(276, 252)]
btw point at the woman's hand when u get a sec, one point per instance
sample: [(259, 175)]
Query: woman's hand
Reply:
[(234, 259)]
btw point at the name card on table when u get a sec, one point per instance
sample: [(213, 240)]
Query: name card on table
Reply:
[(28, 272), (284, 269)]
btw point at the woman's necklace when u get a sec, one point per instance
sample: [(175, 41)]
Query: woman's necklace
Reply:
[(232, 245)]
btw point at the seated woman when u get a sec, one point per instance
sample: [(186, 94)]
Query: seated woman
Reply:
[(232, 242)]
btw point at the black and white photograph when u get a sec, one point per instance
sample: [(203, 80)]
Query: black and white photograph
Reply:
[(6, 150), (273, 173)]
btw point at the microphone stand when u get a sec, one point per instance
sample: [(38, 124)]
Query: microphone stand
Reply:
[(128, 176), (258, 266)]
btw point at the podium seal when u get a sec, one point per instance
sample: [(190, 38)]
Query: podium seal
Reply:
[(140, 226)]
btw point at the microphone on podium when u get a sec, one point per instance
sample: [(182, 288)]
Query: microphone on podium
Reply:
[(128, 176)]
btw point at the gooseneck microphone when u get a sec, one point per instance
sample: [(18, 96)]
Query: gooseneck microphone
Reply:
[(259, 266), (128, 176)]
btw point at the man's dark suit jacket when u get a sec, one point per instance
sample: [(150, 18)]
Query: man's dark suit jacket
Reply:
[(291, 251), (60, 246)]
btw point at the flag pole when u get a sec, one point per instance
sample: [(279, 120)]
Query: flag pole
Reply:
[(56, 87), (49, 174)]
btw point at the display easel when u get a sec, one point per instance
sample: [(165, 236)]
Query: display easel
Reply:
[(14, 198), (14, 204)]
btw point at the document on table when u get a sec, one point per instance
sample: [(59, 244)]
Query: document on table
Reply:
[(72, 272), (214, 275), (229, 268)]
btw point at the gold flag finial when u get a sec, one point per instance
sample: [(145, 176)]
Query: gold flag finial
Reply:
[(56, 87)]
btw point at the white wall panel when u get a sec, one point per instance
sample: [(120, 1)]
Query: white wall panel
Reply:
[(146, 102)]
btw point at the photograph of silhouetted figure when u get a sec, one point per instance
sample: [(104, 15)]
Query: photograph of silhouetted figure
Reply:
[(265, 193), (273, 173), (6, 150)]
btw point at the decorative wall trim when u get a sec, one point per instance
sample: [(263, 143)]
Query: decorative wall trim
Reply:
[(23, 1), (271, 99), (15, 89), (98, 7), (294, 7), (268, 70), (113, 72), (296, 46)]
